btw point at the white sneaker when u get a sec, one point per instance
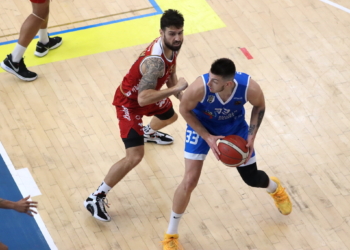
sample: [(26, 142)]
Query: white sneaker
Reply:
[(159, 138), (95, 204)]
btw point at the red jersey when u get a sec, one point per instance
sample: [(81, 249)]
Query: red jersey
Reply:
[(130, 84)]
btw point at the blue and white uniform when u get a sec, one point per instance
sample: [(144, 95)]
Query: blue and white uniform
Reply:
[(219, 118)]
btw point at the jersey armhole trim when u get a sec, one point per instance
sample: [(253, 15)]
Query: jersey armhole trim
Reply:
[(205, 89), (246, 91), (144, 59)]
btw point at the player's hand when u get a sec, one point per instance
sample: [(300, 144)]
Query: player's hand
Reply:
[(24, 206), (211, 140), (181, 84), (250, 146)]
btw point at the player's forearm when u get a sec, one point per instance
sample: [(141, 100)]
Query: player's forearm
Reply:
[(6, 204), (171, 83), (179, 95), (256, 119), (150, 96)]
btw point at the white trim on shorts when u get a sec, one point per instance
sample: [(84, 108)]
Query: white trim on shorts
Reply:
[(191, 156), (201, 157), (251, 161)]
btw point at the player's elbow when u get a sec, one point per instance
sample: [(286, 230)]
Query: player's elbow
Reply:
[(141, 102), (142, 99), (184, 112), (260, 108), (181, 110)]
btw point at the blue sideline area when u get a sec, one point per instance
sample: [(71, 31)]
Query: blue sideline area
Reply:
[(17, 230)]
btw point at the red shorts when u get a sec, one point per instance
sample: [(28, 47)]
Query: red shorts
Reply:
[(38, 1), (130, 114)]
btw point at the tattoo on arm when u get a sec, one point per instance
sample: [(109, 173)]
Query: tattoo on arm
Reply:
[(251, 129), (154, 69), (260, 116)]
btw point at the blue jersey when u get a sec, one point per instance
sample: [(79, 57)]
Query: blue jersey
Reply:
[(226, 117), (219, 118)]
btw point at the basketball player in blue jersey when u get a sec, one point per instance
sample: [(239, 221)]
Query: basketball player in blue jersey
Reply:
[(213, 107)]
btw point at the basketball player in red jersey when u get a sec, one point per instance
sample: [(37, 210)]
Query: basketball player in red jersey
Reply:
[(140, 94), (36, 21)]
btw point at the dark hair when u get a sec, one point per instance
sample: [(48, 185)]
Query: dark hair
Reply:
[(171, 17), (223, 67)]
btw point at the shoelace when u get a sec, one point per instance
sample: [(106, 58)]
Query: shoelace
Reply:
[(158, 134), (21, 64), (175, 244), (101, 202), (281, 195), (155, 134)]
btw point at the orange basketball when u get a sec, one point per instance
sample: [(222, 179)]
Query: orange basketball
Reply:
[(233, 150)]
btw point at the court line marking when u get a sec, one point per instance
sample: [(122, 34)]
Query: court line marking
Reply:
[(200, 17), (23, 181), (86, 20), (153, 3), (246, 53), (336, 5)]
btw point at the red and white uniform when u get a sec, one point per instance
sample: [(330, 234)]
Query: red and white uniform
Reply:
[(129, 111)]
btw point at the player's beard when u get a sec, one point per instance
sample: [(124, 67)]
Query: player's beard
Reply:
[(171, 46)]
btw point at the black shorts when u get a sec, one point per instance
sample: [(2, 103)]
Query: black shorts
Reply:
[(134, 139)]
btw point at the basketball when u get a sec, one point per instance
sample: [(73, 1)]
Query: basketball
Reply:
[(233, 150)]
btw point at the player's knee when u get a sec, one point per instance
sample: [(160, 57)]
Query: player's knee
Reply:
[(174, 118), (257, 179), (168, 117), (170, 120), (41, 11), (134, 159), (190, 184)]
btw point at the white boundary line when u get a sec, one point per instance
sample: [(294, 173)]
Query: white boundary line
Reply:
[(336, 5), (26, 186)]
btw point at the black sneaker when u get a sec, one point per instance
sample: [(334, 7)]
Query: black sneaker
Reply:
[(95, 204), (42, 49), (18, 69), (159, 138)]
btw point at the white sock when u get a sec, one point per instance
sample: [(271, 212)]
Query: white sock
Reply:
[(18, 53), (174, 223), (271, 188), (148, 130), (102, 188), (43, 36)]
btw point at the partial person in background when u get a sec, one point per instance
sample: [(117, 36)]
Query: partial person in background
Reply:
[(36, 22), (22, 206)]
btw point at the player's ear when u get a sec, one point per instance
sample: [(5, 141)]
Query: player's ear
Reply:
[(161, 32), (229, 83)]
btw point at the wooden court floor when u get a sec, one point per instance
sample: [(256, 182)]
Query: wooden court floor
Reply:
[(63, 128), (68, 14)]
